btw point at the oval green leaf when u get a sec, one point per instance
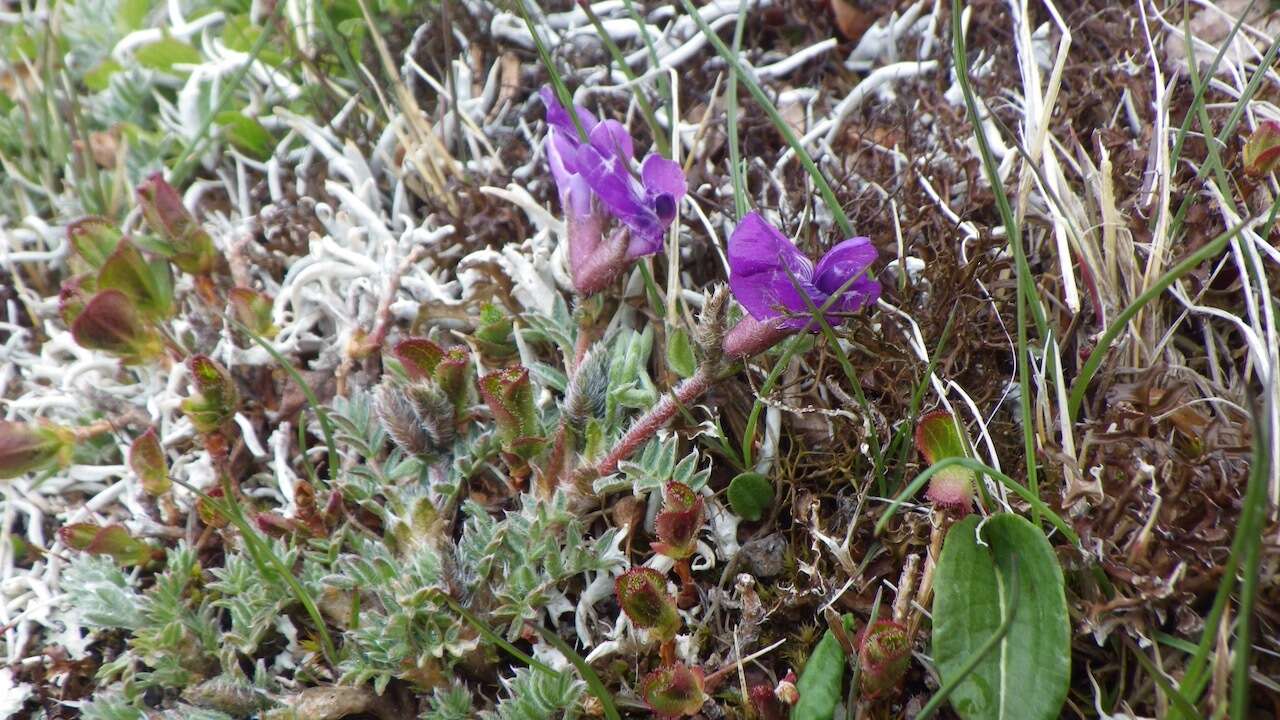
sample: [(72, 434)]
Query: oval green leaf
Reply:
[(246, 134), (749, 495), (1025, 677)]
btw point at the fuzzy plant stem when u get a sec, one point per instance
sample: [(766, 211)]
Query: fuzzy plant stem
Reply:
[(749, 337), (652, 421), (752, 337)]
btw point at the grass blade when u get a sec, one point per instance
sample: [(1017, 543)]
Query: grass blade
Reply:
[(594, 683), (820, 181), (977, 466), (322, 415)]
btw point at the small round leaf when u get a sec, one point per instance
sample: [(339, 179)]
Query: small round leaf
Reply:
[(750, 494)]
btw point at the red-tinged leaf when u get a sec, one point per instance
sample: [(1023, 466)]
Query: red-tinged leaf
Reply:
[(93, 239), (509, 395), (678, 523), (642, 593), (148, 284), (73, 296), (253, 310), (209, 512), (25, 447), (1262, 149), (148, 462), (214, 403), (109, 322), (187, 244), (453, 375), (883, 656), (419, 356), (939, 436), (674, 691), (113, 541)]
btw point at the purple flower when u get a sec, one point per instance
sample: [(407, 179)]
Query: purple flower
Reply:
[(775, 282), (597, 176), (771, 277)]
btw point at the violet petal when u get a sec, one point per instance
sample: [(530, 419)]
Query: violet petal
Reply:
[(611, 139), (560, 118), (849, 258), (776, 296), (756, 247)]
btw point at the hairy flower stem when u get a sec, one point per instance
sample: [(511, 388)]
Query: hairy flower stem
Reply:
[(752, 337), (652, 421)]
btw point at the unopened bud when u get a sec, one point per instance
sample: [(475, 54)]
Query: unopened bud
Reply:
[(25, 447), (214, 402), (1262, 149), (181, 237), (678, 523)]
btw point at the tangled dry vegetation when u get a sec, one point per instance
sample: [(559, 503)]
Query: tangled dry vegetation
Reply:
[(403, 192)]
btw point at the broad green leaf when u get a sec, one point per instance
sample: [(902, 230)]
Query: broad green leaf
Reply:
[(99, 78), (1026, 676), (823, 676), (749, 494), (164, 54), (680, 353), (246, 134), (132, 14)]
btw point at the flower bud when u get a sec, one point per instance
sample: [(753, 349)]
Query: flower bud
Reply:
[(642, 593), (766, 703), (418, 417), (939, 436), (112, 540), (214, 402), (209, 510), (674, 691), (110, 322), (1262, 149), (453, 376), (787, 691), (93, 239), (182, 239), (509, 395), (493, 335), (883, 655), (148, 462), (253, 310), (679, 522), (25, 447)]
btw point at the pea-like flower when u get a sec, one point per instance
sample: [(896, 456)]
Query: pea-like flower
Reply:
[(776, 284), (596, 179)]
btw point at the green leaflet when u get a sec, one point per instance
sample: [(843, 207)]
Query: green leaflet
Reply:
[(821, 681), (1025, 677)]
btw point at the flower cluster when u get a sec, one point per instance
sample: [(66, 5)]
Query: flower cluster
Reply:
[(591, 161), (591, 164)]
